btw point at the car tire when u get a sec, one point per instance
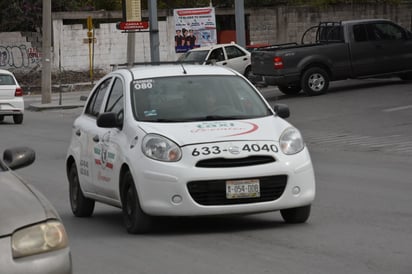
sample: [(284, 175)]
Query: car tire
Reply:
[(1, 118), (18, 118), (407, 76), (249, 74), (315, 81), (135, 220), (296, 215), (289, 90), (80, 205)]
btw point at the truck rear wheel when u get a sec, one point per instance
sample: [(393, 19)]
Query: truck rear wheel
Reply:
[(289, 90), (315, 81)]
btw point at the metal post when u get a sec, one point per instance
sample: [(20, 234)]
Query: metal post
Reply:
[(131, 45), (154, 31), (46, 53), (240, 22)]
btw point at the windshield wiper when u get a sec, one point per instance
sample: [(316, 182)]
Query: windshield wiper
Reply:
[(224, 117)]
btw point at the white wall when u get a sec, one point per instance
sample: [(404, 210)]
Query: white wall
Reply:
[(71, 49)]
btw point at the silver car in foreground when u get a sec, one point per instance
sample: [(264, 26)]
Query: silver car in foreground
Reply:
[(32, 236)]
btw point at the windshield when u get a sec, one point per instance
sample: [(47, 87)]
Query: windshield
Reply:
[(195, 98), (194, 56)]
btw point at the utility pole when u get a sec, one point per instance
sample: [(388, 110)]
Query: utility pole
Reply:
[(46, 54), (131, 46), (154, 31), (240, 22)]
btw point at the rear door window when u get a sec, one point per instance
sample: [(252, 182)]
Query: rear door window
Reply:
[(6, 80)]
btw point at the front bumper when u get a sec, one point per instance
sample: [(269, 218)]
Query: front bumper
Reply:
[(163, 187), (46, 263)]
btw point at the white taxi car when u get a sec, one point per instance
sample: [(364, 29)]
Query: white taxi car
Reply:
[(11, 97), (186, 140), (230, 55)]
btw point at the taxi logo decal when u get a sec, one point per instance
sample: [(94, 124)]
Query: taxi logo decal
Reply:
[(232, 128), (103, 157)]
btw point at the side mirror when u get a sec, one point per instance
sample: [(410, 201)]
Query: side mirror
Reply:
[(18, 157), (282, 110), (109, 120)]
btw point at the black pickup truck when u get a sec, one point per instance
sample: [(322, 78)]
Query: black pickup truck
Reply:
[(336, 51)]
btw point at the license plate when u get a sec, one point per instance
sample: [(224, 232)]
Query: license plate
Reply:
[(242, 189)]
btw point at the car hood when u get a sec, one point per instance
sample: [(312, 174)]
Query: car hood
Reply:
[(21, 204), (267, 128)]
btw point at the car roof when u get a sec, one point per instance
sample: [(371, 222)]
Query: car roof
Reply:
[(358, 21), (214, 46), (3, 71), (153, 71)]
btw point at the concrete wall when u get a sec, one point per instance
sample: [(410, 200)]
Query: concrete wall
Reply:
[(287, 23), (71, 47), (17, 52), (270, 25)]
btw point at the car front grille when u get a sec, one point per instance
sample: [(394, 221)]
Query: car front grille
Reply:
[(236, 162), (213, 192)]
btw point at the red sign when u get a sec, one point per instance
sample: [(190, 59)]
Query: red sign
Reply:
[(133, 25), (198, 11)]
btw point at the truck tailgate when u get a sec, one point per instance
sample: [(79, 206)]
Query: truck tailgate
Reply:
[(262, 62)]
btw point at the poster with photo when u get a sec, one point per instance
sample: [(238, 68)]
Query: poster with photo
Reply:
[(194, 28)]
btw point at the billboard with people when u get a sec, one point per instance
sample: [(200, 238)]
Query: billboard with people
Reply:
[(194, 28)]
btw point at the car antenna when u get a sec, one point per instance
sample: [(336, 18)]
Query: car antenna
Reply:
[(184, 71)]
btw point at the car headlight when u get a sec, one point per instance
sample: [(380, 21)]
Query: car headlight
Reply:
[(160, 148), (39, 238), (291, 141)]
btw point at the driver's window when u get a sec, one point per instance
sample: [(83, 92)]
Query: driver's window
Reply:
[(217, 54), (115, 100), (96, 100), (389, 31)]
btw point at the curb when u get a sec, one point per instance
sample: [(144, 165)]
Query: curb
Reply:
[(40, 107)]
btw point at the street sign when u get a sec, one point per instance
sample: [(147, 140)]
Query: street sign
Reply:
[(132, 25), (133, 10)]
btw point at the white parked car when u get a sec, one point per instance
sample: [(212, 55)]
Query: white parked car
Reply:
[(11, 97), (186, 140), (230, 55)]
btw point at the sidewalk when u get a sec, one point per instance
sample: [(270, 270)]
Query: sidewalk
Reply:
[(59, 100)]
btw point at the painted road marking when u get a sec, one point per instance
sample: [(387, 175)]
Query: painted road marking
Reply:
[(397, 108)]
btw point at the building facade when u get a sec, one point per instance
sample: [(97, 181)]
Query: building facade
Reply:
[(71, 50)]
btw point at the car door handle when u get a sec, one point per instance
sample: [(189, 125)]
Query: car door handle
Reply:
[(78, 132), (224, 63), (245, 59), (96, 138), (379, 46)]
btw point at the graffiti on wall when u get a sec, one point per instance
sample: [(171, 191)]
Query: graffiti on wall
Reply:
[(19, 56)]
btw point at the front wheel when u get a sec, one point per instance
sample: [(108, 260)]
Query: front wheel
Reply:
[(315, 81), (289, 90), (81, 206), (135, 220), (296, 215)]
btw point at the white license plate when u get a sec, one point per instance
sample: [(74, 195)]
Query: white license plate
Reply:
[(242, 189)]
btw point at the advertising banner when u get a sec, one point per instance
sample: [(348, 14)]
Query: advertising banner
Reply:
[(194, 28)]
